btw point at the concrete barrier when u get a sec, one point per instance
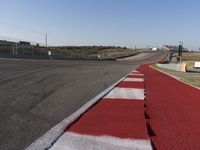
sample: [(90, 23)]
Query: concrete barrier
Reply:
[(177, 67)]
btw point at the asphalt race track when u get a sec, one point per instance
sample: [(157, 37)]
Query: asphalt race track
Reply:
[(37, 94)]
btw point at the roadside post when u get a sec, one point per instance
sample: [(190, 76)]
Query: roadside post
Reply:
[(99, 56), (50, 56)]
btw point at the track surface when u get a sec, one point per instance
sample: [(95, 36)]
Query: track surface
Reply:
[(35, 95), (173, 109), (114, 121)]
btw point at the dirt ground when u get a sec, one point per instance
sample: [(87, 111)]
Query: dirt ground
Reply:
[(37, 94)]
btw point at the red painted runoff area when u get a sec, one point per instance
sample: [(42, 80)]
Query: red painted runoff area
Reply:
[(174, 111), (125, 84), (119, 118)]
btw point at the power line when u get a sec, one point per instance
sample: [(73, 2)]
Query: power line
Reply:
[(24, 29), (58, 40), (12, 39), (21, 28), (34, 31)]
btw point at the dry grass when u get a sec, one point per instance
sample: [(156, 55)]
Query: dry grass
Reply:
[(120, 53), (192, 79), (191, 57)]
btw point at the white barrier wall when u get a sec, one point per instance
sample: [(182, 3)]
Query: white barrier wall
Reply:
[(177, 67)]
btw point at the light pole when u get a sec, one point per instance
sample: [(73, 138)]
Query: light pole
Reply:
[(46, 38), (180, 51)]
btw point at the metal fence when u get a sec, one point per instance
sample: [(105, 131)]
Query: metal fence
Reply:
[(16, 50)]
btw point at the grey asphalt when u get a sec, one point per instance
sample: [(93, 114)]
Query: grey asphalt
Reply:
[(35, 95)]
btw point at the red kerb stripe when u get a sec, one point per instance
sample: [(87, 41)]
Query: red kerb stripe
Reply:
[(119, 118)]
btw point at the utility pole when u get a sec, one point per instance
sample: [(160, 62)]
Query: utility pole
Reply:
[(16, 48), (13, 48), (46, 39), (23, 49)]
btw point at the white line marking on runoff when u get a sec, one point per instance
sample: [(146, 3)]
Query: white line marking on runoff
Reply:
[(74, 141), (126, 93), (134, 79)]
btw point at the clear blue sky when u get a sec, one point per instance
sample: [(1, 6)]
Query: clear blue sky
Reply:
[(103, 22)]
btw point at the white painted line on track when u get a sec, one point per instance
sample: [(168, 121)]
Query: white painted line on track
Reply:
[(134, 79), (74, 141), (126, 93)]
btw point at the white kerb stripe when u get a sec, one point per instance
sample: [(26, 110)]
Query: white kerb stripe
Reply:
[(135, 71), (134, 74), (74, 141), (134, 79), (126, 93)]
